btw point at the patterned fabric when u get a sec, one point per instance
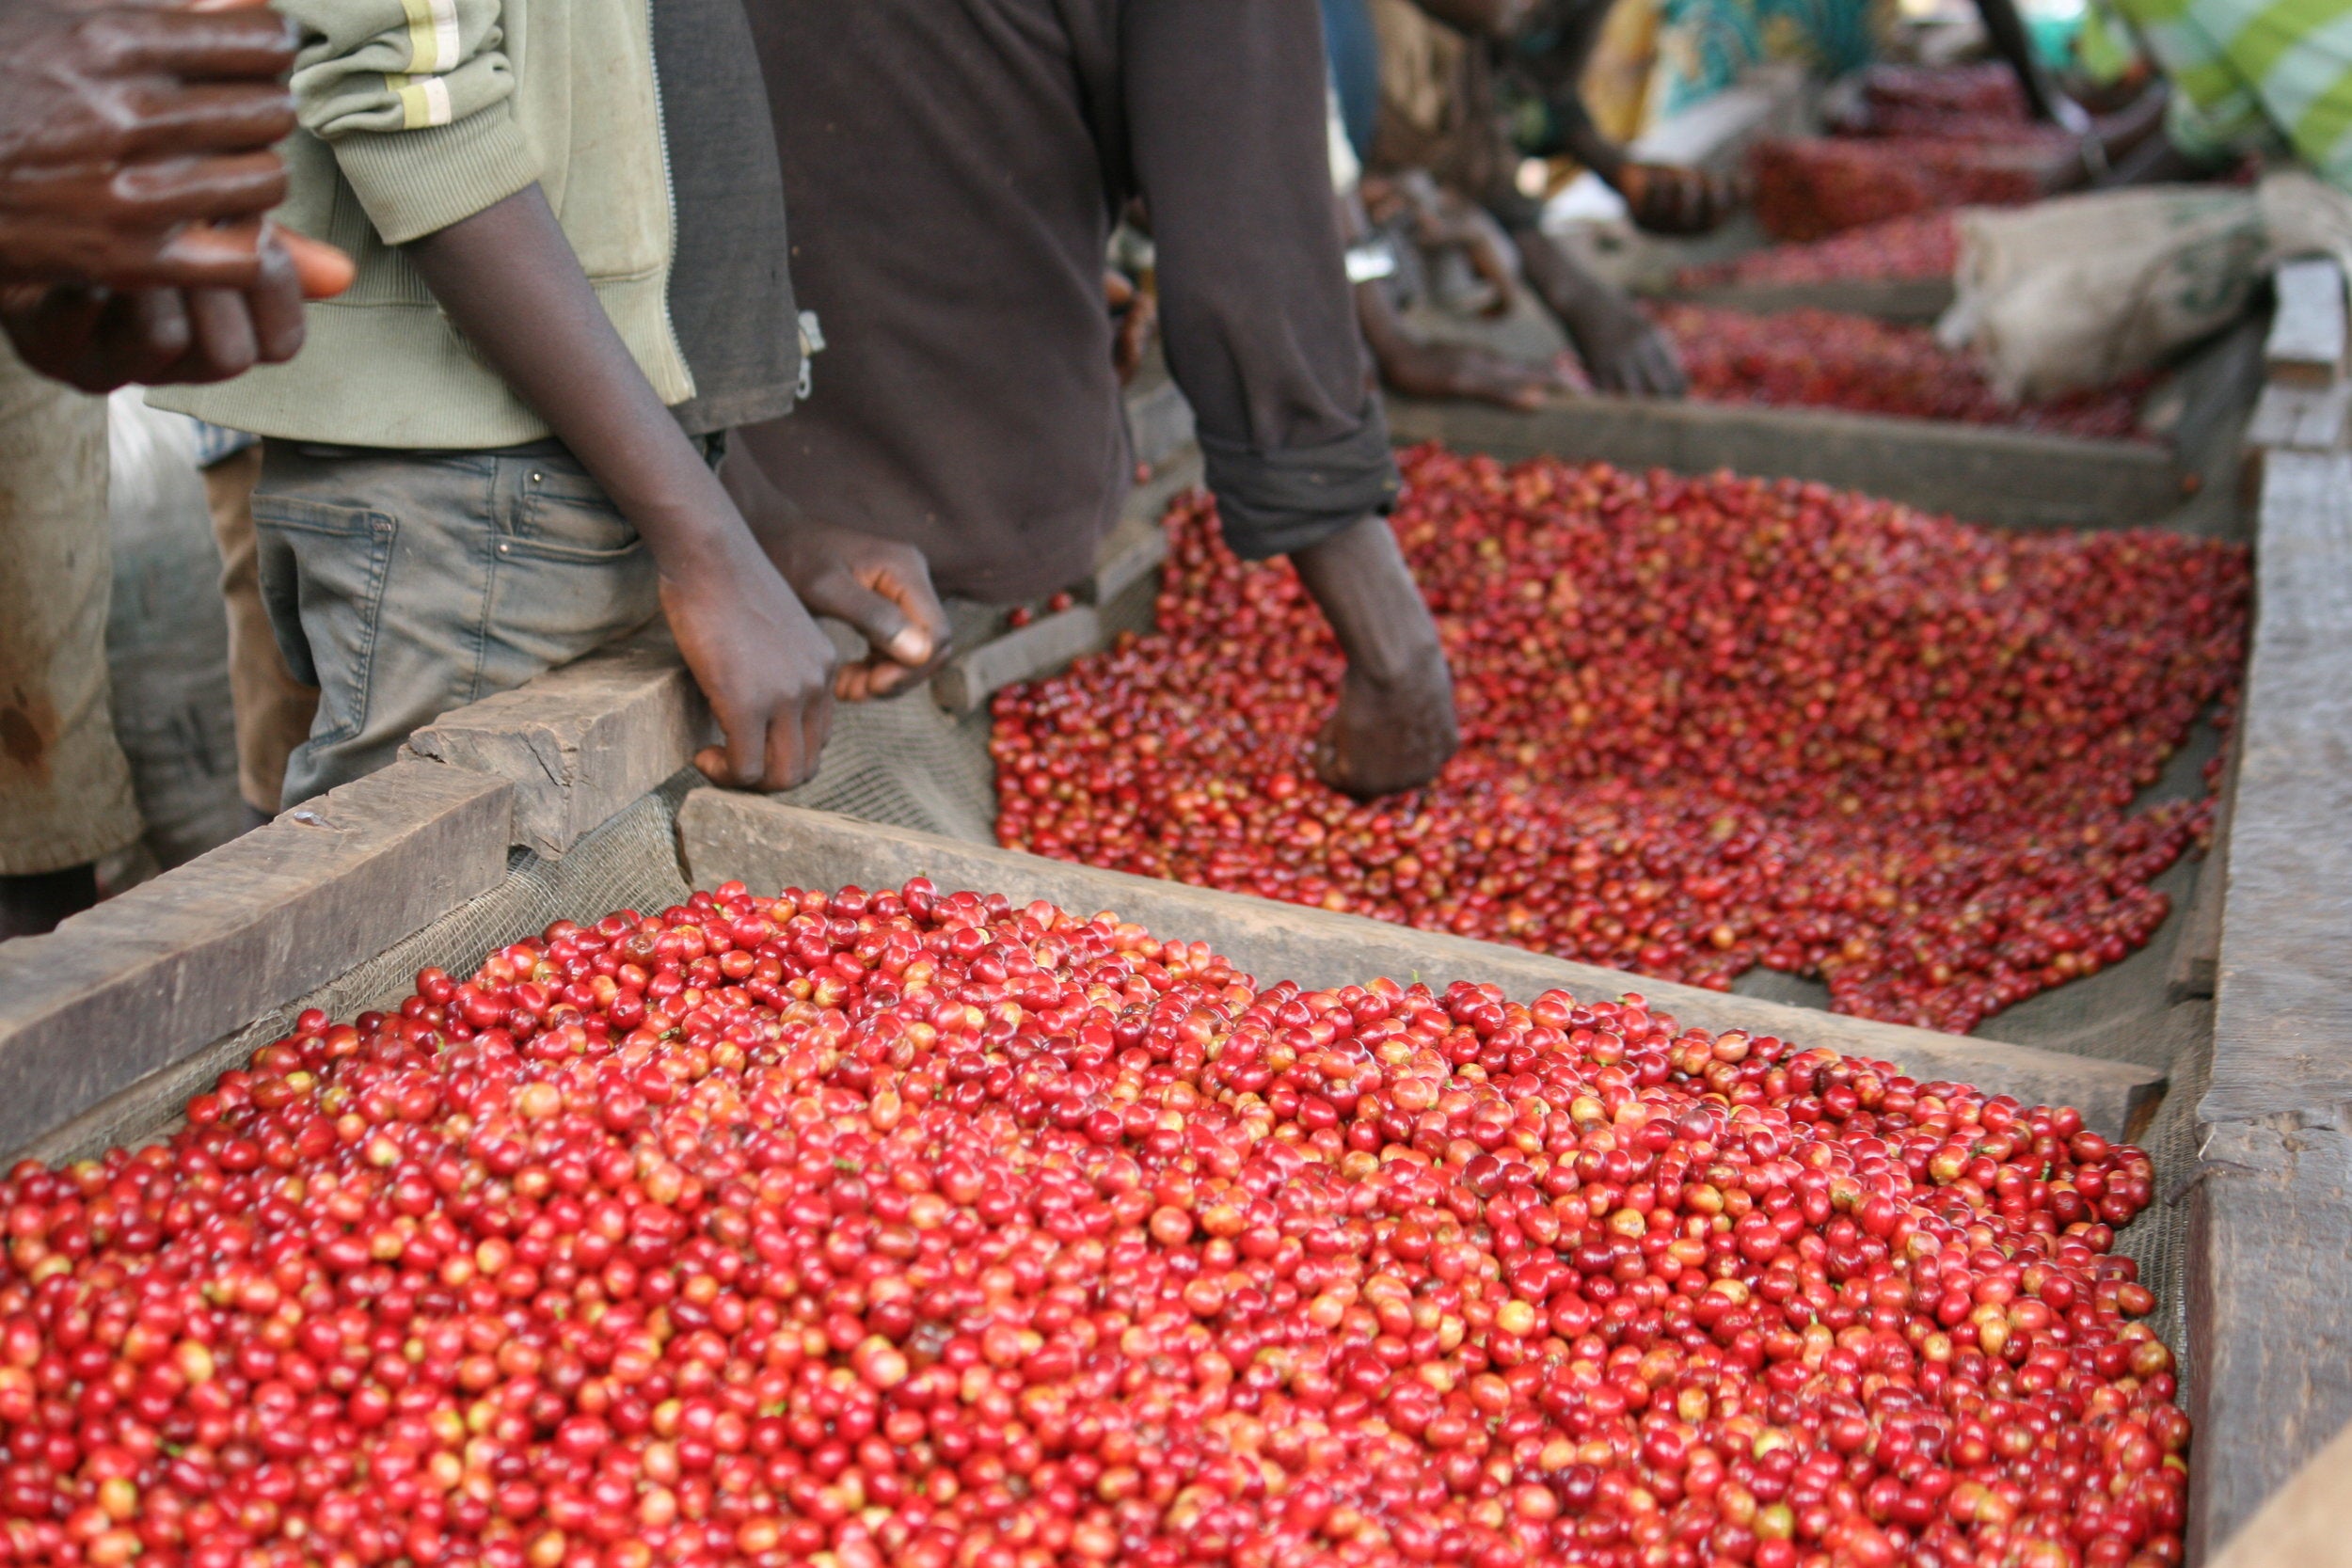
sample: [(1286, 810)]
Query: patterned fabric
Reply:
[(1705, 46), (2257, 75)]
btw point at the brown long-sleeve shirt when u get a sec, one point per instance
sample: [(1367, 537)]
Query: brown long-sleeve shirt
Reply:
[(953, 168)]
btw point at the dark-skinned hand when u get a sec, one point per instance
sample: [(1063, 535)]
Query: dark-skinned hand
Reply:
[(879, 587), (1623, 350), (98, 338), (762, 661), (509, 280), (1137, 312), (127, 131), (1425, 370), (1668, 198), (1395, 726)]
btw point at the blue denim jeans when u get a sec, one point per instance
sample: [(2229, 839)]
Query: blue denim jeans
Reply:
[(406, 584)]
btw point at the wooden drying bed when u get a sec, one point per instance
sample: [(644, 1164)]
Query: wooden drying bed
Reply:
[(95, 1018)]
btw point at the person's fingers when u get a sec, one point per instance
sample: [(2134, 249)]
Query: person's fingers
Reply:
[(878, 620), (1487, 263), (248, 44), (1329, 761), (741, 758), (1663, 371), (202, 117), (226, 344), (321, 271), (815, 729), (153, 332), (218, 187), (907, 583), (275, 305), (791, 759), (711, 762)]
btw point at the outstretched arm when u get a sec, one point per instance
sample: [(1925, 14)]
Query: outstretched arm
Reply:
[(509, 280), (1664, 199), (2007, 29), (1231, 147)]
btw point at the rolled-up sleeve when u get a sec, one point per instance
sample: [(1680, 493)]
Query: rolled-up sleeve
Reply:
[(414, 98), (1228, 138)]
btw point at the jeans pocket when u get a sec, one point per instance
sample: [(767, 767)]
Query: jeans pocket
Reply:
[(565, 515), (324, 570)]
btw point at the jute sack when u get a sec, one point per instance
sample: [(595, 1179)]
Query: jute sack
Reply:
[(2084, 290)]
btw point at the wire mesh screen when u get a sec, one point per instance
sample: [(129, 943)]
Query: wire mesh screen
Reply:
[(908, 764)]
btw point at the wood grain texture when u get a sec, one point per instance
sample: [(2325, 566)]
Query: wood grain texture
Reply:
[(2008, 477), (1040, 648), (2299, 419), (2269, 1314), (580, 742), (2282, 1027), (771, 845), (174, 964), (1159, 421), (2307, 331), (2197, 951)]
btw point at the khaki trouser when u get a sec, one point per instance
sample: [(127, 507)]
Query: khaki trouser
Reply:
[(274, 709), (65, 787)]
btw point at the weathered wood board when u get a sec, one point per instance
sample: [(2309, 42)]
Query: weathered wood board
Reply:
[(581, 741), (2197, 954), (2307, 331), (148, 978), (2008, 477), (1038, 648), (2270, 1298), (771, 845), (2283, 1028), (2269, 1314)]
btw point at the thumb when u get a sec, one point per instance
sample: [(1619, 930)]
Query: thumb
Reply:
[(884, 625)]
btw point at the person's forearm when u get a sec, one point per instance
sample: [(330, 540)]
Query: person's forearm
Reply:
[(1555, 274), (1367, 594), (508, 279), (2159, 160), (2131, 126), (1585, 142), (2007, 29)]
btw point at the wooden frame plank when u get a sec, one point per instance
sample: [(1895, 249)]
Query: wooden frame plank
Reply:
[(582, 741), (1040, 648), (769, 845), (2270, 1242), (2008, 477), (2307, 332), (2282, 1022), (2269, 1316), (168, 968)]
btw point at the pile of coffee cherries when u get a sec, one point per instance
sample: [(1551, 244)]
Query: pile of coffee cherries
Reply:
[(915, 1229), (1922, 245), (1988, 88), (1829, 359), (1811, 187), (1707, 724)]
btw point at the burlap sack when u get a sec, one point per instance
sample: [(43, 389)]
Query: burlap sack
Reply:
[(2084, 290)]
